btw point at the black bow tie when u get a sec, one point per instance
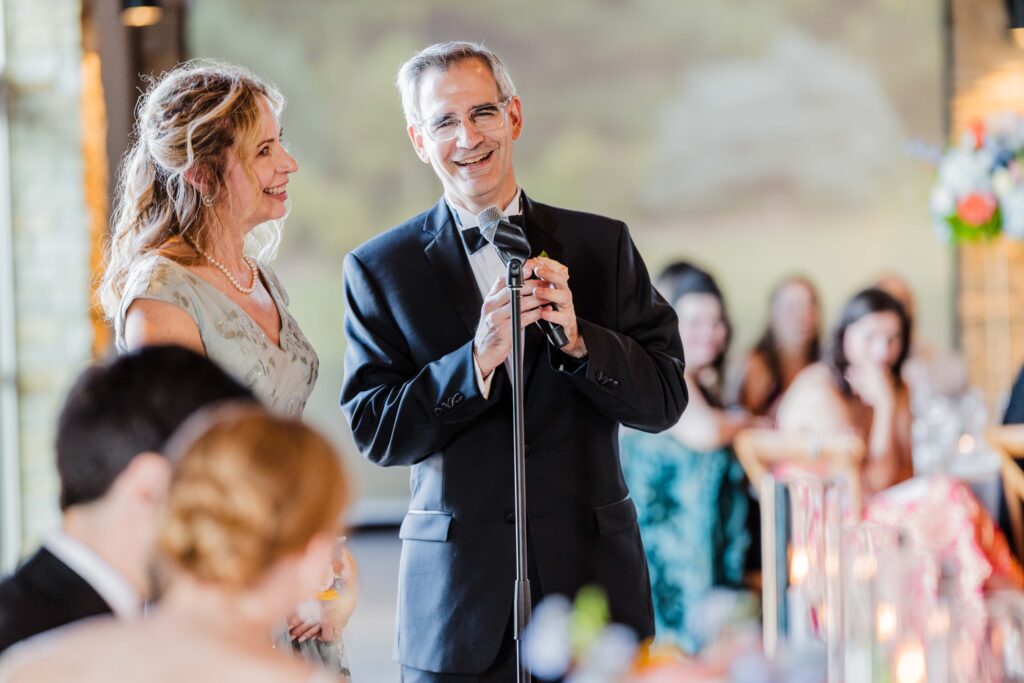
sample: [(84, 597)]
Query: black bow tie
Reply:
[(474, 239)]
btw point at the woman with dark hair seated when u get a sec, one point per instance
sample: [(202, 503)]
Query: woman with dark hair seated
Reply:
[(859, 391), (789, 343), (686, 482)]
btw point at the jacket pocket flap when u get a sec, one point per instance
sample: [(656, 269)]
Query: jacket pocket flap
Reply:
[(425, 525), (615, 517)]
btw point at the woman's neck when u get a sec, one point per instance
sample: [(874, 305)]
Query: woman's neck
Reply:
[(243, 617), (228, 245)]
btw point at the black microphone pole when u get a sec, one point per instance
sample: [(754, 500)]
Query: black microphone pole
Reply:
[(522, 606), (513, 249)]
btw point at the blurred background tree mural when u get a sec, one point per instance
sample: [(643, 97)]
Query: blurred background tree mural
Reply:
[(755, 138)]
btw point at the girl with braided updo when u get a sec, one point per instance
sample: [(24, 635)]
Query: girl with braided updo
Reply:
[(200, 201), (241, 548)]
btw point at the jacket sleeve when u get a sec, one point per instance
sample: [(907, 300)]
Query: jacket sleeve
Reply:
[(400, 413), (633, 374)]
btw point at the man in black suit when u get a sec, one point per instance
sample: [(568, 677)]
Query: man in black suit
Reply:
[(113, 479), (426, 385)]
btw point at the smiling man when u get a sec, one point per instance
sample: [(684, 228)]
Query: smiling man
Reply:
[(428, 328)]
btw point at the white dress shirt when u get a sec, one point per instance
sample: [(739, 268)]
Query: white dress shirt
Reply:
[(487, 267), (115, 590)]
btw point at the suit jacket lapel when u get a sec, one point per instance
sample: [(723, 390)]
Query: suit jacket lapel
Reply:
[(448, 258), (539, 226)]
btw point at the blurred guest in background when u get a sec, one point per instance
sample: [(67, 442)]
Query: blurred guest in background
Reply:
[(251, 521), (928, 369), (688, 487), (789, 343), (111, 435), (199, 205), (859, 388)]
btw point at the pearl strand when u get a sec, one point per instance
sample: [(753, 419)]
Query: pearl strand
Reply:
[(227, 273)]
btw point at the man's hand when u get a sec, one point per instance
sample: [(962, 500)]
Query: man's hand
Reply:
[(493, 340), (556, 278), (546, 282)]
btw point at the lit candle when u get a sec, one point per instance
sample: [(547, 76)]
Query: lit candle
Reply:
[(864, 567), (796, 602), (909, 663), (886, 622), (799, 566)]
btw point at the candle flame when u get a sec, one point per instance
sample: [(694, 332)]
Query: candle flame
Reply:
[(799, 566), (910, 663), (864, 567), (966, 443), (886, 622)]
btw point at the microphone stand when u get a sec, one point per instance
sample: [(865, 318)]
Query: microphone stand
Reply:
[(522, 605)]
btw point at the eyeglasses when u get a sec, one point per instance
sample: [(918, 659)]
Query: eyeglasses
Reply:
[(485, 119)]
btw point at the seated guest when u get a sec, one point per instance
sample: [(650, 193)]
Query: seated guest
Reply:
[(251, 520), (1014, 415), (789, 343), (859, 390), (686, 482), (928, 370), (113, 478)]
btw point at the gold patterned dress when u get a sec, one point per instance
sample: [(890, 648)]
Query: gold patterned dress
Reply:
[(282, 377)]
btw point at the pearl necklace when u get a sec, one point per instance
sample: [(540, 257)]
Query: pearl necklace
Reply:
[(227, 273)]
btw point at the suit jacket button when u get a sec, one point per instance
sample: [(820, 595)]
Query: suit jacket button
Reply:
[(510, 518)]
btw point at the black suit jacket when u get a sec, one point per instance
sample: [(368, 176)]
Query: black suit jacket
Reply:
[(42, 594), (411, 397)]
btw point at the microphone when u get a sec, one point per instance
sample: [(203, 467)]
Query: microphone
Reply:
[(510, 242)]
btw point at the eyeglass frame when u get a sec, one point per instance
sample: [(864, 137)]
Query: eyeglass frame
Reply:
[(502, 106)]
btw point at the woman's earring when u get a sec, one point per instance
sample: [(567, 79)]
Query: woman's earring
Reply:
[(208, 199)]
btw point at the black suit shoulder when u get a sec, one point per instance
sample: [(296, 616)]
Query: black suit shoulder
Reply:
[(42, 594)]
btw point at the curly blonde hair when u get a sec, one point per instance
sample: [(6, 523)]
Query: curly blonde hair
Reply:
[(187, 121), (249, 489)]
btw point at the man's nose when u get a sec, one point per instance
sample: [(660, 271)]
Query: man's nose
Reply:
[(468, 136)]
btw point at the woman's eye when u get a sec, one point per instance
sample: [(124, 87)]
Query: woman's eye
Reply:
[(264, 151)]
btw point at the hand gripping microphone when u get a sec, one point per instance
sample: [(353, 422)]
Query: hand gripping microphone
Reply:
[(510, 242)]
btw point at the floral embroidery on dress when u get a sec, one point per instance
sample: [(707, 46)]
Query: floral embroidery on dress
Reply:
[(282, 377)]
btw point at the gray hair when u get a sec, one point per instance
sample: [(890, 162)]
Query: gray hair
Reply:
[(441, 56)]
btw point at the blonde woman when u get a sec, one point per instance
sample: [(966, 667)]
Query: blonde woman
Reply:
[(200, 200), (242, 549)]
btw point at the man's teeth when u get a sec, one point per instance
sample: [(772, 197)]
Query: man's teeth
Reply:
[(275, 190), (467, 162)]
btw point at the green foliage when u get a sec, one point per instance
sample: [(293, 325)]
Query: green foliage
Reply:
[(961, 231)]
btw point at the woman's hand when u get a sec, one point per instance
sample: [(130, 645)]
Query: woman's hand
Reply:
[(337, 612), (302, 629), (874, 385)]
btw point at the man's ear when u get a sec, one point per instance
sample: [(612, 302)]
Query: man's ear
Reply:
[(416, 136), (515, 116), (147, 478)]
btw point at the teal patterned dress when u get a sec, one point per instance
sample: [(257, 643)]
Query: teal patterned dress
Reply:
[(692, 510)]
